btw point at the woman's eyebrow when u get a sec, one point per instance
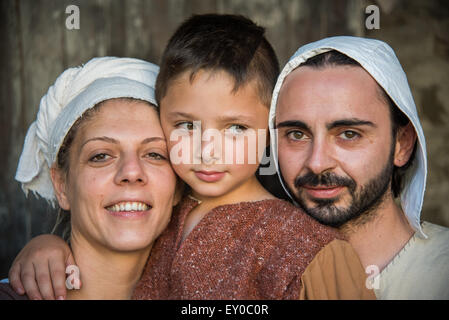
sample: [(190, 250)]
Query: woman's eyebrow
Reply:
[(114, 141), (353, 122), (105, 139), (148, 140)]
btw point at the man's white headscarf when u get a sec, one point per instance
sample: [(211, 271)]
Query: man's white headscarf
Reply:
[(380, 61), (76, 90)]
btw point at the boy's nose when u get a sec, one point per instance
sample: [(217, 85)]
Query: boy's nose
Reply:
[(210, 150)]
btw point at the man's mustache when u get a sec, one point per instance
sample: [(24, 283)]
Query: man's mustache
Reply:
[(327, 179)]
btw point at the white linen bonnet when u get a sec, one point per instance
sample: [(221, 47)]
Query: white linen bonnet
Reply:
[(380, 61), (76, 90)]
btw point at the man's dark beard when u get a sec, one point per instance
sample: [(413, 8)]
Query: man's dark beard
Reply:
[(367, 199)]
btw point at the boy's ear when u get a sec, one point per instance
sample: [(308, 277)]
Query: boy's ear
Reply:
[(179, 191), (405, 142), (58, 180)]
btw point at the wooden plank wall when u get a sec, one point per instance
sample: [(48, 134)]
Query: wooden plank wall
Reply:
[(36, 47)]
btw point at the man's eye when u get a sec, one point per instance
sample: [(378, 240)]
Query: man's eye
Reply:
[(100, 157), (185, 125), (349, 135), (236, 129), (296, 135)]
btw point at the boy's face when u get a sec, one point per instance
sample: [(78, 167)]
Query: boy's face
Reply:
[(212, 131)]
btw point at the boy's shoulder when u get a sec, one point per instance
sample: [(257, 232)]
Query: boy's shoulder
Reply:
[(294, 219)]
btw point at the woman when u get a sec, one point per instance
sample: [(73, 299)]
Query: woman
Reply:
[(97, 147)]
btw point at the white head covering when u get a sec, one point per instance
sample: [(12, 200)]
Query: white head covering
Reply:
[(76, 90), (379, 60)]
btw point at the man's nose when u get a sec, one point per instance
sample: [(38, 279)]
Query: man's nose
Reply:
[(320, 158), (131, 171)]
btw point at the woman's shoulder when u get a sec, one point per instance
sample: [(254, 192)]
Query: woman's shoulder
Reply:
[(7, 293)]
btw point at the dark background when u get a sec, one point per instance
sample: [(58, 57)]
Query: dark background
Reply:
[(36, 47)]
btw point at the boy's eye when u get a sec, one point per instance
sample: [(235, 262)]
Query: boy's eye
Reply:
[(100, 157), (349, 135), (296, 135), (236, 129), (186, 125)]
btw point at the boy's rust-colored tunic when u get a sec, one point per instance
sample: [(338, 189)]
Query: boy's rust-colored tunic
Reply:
[(252, 250)]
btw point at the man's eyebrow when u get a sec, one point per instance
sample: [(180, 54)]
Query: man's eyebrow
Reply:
[(353, 122), (293, 124)]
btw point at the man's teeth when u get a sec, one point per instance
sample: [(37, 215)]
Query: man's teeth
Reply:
[(128, 206)]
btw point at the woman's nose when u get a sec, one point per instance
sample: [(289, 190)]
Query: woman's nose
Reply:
[(131, 171)]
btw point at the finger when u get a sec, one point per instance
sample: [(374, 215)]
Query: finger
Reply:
[(71, 262), (43, 278), (28, 278), (58, 276), (14, 278)]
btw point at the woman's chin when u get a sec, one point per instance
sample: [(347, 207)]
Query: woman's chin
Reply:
[(129, 246), (129, 241)]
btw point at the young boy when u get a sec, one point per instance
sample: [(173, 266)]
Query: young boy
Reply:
[(229, 238)]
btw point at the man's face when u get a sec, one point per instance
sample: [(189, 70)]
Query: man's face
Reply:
[(334, 142)]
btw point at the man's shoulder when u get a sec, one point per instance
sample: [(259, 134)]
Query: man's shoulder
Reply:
[(437, 239), (430, 251), (421, 269)]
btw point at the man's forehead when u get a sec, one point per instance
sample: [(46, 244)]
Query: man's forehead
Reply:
[(330, 94)]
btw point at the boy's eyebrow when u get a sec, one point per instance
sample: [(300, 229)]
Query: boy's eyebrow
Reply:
[(179, 114), (234, 118), (293, 123), (230, 118), (349, 123)]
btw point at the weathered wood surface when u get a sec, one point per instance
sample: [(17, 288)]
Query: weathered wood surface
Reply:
[(36, 47)]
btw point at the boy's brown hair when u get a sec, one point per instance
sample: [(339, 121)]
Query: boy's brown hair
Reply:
[(214, 42)]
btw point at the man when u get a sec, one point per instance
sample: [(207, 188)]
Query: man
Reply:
[(349, 142)]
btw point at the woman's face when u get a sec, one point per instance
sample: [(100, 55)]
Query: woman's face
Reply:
[(120, 185)]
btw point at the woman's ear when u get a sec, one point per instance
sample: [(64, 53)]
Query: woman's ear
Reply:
[(179, 191), (58, 179), (405, 142)]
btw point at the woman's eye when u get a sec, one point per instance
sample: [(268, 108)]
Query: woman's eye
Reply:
[(156, 156), (185, 125), (349, 135), (236, 129), (296, 135), (100, 157)]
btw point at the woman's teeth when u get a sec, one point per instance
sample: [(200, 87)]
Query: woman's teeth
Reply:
[(128, 206)]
